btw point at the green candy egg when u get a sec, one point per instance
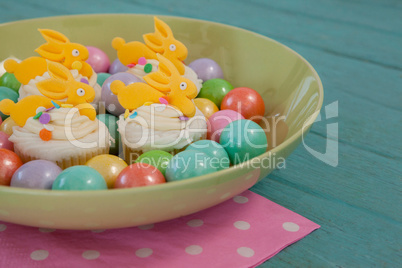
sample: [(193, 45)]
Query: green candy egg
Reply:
[(156, 158), (215, 90), (7, 93), (101, 78), (9, 80)]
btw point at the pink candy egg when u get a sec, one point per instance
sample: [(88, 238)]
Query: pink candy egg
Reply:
[(5, 143), (219, 120), (98, 60)]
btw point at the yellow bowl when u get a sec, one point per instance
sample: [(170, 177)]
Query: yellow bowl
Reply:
[(291, 89)]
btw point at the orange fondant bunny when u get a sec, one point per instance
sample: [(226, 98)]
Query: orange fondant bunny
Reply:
[(162, 41), (59, 49), (61, 85), (166, 80)]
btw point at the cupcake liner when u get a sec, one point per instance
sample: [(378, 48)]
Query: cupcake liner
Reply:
[(67, 162)]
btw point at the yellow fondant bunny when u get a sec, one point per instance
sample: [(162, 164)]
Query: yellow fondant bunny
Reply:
[(162, 41), (166, 83), (61, 85), (58, 49)]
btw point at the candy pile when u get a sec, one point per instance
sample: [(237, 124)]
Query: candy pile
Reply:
[(233, 114)]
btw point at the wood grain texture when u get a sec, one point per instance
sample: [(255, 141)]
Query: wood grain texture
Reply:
[(355, 46)]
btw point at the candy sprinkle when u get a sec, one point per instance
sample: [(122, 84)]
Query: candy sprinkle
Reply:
[(44, 119), (148, 68), (49, 109), (163, 100), (37, 115), (126, 113), (148, 103), (133, 115), (65, 105), (131, 65), (183, 118), (83, 80), (55, 105), (45, 135), (142, 61)]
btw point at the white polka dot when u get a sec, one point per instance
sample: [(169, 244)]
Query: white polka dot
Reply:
[(240, 199), (224, 196), (4, 213), (90, 254), (211, 191), (3, 227), (39, 255), (144, 252), (242, 225), (193, 250), (290, 226), (195, 223), (179, 207), (98, 231), (46, 230), (245, 252), (146, 227)]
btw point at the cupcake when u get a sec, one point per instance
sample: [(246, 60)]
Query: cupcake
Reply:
[(62, 136), (159, 127), (141, 58)]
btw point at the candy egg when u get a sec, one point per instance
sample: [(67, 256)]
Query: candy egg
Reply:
[(36, 174), (243, 140), (245, 101), (219, 157), (98, 60), (139, 174), (79, 178), (7, 126), (206, 106), (1, 120), (215, 90), (111, 123), (156, 158), (9, 163), (189, 164), (117, 67), (4, 142), (206, 69), (102, 77), (7, 93), (109, 166), (112, 104), (219, 120), (9, 80)]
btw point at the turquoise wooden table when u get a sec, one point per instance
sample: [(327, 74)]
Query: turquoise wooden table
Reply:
[(347, 175)]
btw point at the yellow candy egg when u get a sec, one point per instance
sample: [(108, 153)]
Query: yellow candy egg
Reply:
[(7, 126), (109, 166), (206, 106)]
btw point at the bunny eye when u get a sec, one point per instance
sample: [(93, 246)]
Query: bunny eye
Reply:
[(172, 47), (75, 52), (80, 92), (183, 85)]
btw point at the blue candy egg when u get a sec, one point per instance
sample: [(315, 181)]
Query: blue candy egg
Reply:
[(79, 178), (219, 157)]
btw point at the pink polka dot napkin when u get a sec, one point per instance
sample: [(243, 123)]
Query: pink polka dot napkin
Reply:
[(242, 232)]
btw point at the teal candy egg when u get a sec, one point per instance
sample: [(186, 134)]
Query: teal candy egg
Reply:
[(102, 77), (188, 164), (79, 178), (219, 156), (111, 123), (243, 140), (9, 80), (7, 93), (215, 90), (157, 158)]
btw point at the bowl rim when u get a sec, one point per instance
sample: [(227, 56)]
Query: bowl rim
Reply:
[(300, 133)]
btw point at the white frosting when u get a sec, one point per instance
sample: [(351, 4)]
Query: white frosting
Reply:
[(31, 89), (72, 135), (158, 126), (138, 70)]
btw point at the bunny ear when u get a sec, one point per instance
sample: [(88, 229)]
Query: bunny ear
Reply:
[(59, 71), (53, 36), (158, 80), (53, 89), (162, 28), (153, 42), (167, 67), (50, 51)]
